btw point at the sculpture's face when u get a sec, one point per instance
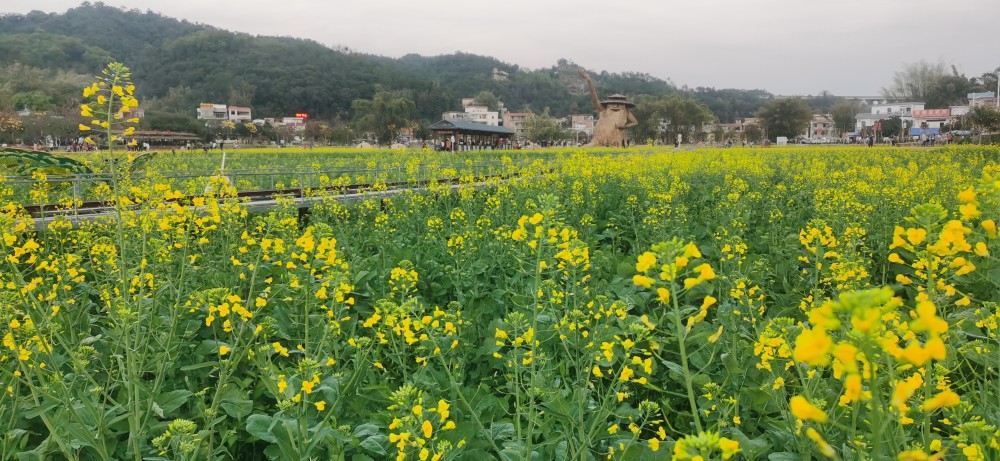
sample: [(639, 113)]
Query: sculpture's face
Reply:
[(615, 107)]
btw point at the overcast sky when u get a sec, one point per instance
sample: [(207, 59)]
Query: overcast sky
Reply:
[(848, 47)]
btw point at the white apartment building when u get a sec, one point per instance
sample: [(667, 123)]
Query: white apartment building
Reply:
[(296, 123), (455, 115), (472, 113), (209, 111), (821, 126), (220, 112), (903, 110), (239, 114), (483, 114)]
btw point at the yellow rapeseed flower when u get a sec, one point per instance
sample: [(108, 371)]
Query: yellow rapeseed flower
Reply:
[(944, 399), (806, 411), (812, 347), (646, 261)]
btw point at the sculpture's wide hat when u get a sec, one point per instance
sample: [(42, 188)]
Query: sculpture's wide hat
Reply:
[(618, 98)]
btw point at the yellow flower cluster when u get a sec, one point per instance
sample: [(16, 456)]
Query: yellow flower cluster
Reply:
[(112, 97), (705, 446), (415, 430)]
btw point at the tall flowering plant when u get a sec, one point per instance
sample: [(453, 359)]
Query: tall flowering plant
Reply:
[(108, 102)]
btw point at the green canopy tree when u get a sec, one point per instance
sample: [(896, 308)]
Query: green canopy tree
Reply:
[(488, 99), (383, 116), (664, 118), (950, 90), (845, 114), (785, 117), (34, 100), (543, 128), (985, 118), (753, 133), (892, 127), (914, 81)]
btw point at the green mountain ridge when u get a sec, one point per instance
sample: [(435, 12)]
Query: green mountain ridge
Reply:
[(177, 64), (46, 57)]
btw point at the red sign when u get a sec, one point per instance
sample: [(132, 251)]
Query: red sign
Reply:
[(932, 113), (302, 115)]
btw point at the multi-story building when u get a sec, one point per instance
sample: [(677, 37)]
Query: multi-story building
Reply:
[(582, 123), (821, 126), (903, 110), (212, 112), (219, 112), (482, 114), (455, 115), (239, 114), (515, 121), (896, 109), (985, 98), (473, 113), (296, 123), (931, 118)]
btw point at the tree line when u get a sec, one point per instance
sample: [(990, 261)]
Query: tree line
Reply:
[(46, 57)]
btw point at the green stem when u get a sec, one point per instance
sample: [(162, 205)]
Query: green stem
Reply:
[(688, 379)]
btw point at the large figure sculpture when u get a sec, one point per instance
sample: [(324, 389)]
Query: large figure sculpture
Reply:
[(614, 118)]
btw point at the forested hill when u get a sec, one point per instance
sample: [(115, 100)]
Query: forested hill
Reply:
[(178, 64)]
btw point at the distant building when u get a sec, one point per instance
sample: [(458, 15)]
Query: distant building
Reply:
[(295, 123), (931, 118), (821, 126), (499, 75), (986, 98), (212, 112), (219, 112), (582, 123), (896, 109), (456, 116), (473, 113), (483, 114), (958, 111), (515, 121), (903, 110), (239, 114)]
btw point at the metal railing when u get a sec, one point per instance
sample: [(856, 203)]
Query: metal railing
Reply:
[(66, 192)]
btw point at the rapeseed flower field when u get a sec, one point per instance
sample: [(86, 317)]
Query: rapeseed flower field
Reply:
[(783, 303)]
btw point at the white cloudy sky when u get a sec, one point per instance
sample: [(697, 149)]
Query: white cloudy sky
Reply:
[(848, 47)]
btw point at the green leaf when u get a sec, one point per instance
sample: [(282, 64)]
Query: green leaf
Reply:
[(500, 431), (199, 366), (260, 426), (365, 430), (35, 412), (751, 448), (80, 435), (171, 401), (376, 444), (234, 403), (561, 451)]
